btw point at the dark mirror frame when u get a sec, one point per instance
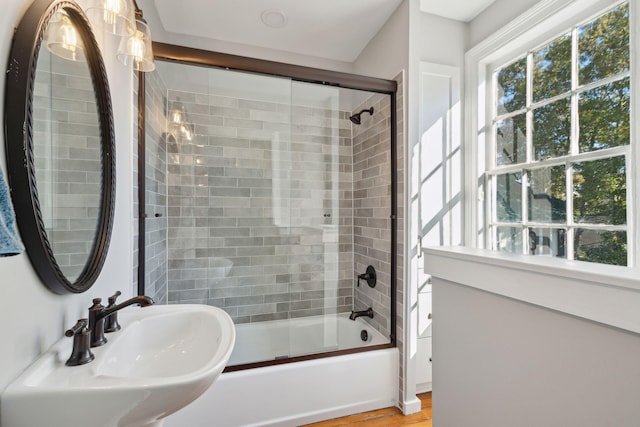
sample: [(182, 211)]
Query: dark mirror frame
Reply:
[(18, 119)]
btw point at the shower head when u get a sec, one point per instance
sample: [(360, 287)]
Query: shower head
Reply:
[(355, 119)]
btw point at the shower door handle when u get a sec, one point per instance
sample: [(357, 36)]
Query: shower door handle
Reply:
[(419, 246)]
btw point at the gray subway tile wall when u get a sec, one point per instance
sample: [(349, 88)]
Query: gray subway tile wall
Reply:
[(265, 220), (401, 290), (156, 244), (136, 201), (271, 209), (372, 208)]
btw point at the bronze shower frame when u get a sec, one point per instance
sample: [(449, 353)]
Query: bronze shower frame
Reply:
[(204, 58)]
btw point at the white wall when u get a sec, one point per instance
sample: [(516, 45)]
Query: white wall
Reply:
[(500, 362), (33, 318), (495, 17), (388, 52), (441, 41)]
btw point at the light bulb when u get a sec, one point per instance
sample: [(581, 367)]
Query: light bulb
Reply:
[(114, 16), (63, 39), (114, 6), (69, 36), (176, 116), (136, 47), (111, 11)]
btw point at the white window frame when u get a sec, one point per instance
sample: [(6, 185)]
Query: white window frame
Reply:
[(542, 23)]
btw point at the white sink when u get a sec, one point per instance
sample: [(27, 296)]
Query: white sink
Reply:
[(164, 357)]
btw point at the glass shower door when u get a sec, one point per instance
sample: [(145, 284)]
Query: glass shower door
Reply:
[(319, 182), (264, 199)]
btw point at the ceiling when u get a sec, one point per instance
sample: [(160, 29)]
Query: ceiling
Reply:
[(459, 10), (332, 29)]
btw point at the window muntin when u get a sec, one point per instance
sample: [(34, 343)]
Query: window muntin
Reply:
[(561, 132)]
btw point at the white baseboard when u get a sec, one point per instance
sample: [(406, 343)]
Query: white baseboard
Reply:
[(412, 406), (424, 387)]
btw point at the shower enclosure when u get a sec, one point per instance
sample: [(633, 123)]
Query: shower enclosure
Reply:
[(266, 195)]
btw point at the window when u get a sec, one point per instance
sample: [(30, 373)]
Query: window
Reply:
[(558, 168)]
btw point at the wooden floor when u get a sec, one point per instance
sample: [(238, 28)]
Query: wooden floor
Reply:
[(388, 417)]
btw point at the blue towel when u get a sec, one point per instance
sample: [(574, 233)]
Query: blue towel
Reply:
[(10, 243)]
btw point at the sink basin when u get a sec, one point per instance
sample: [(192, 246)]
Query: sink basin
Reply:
[(164, 357)]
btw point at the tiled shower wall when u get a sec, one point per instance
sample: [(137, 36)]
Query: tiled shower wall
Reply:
[(259, 209), (155, 188), (372, 208), (400, 151)]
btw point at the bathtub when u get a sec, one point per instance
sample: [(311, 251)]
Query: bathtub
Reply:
[(281, 339), (304, 391)]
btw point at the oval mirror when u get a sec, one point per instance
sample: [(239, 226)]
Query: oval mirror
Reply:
[(60, 145)]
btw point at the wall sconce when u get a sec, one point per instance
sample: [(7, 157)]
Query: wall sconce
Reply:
[(180, 126), (136, 49), (112, 16), (124, 18), (63, 39)]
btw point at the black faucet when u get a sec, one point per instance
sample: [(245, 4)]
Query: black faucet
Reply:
[(81, 352), (355, 314), (97, 313), (370, 276), (111, 321)]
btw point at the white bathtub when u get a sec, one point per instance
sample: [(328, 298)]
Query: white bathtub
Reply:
[(280, 339), (292, 394)]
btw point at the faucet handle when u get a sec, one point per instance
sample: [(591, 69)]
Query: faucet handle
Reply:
[(77, 328), (370, 276), (112, 298), (81, 352), (111, 321)]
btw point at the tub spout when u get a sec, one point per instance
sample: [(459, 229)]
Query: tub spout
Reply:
[(355, 314)]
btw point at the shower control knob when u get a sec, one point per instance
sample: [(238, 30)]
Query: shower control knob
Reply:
[(370, 276)]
